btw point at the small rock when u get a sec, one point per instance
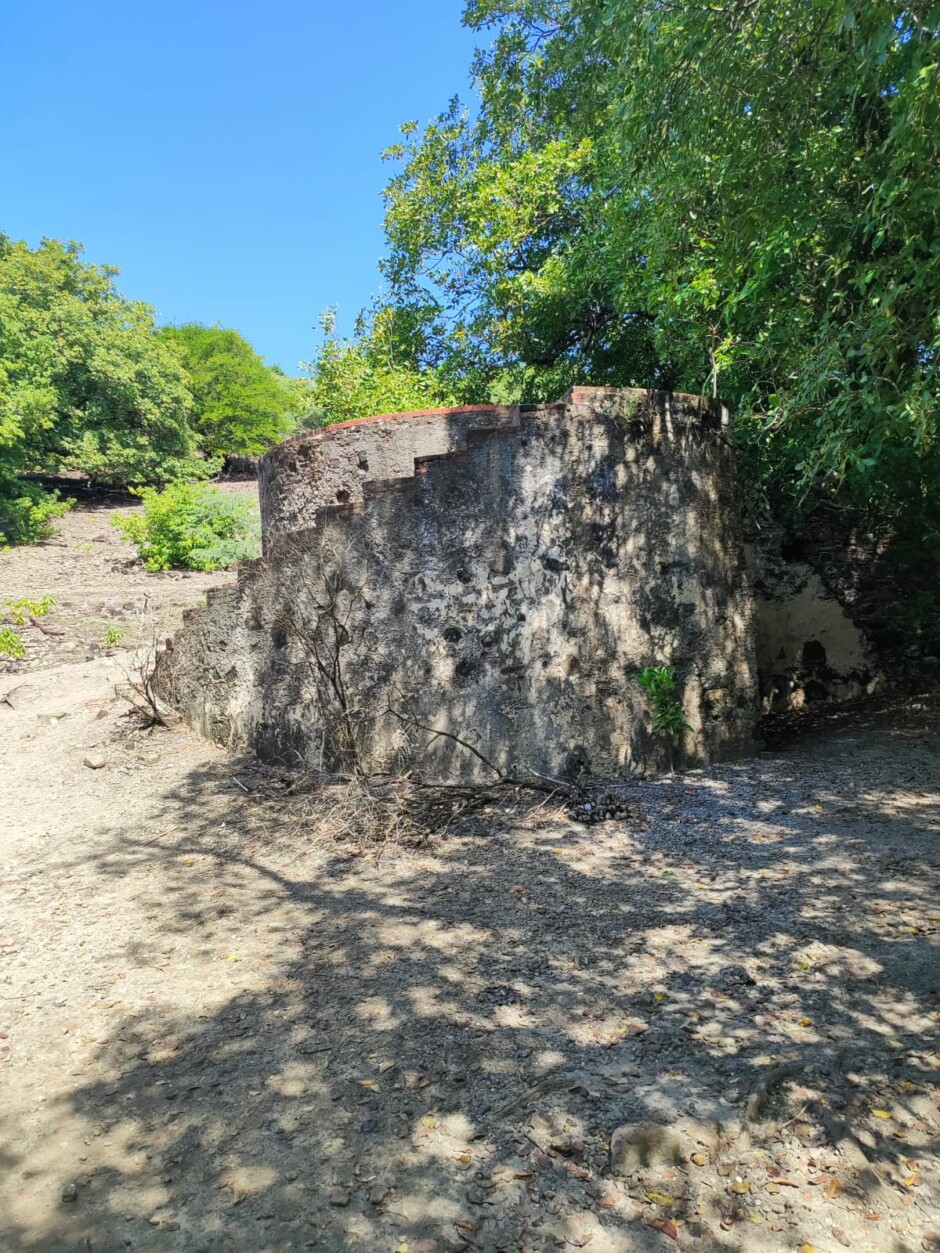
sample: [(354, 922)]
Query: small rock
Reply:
[(289, 1205), (340, 1197), (94, 762), (70, 1193), (706, 1134)]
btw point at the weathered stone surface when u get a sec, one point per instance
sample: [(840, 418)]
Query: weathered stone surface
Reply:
[(809, 649), (440, 589)]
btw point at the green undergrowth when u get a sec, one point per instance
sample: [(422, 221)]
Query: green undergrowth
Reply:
[(192, 526)]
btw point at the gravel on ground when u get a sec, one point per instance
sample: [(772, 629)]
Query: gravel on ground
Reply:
[(230, 1022)]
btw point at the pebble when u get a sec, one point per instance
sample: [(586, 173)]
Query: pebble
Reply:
[(70, 1193), (94, 762)]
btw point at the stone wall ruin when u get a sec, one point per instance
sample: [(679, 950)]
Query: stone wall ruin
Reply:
[(462, 591)]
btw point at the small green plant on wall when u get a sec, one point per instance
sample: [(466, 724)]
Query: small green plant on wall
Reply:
[(661, 687)]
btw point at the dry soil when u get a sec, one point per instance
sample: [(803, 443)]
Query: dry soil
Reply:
[(230, 1020)]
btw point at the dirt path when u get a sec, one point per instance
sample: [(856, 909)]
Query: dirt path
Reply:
[(99, 587), (222, 1027)]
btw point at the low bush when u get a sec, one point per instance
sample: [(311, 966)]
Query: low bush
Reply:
[(192, 526), (26, 511), (23, 609), (11, 645)]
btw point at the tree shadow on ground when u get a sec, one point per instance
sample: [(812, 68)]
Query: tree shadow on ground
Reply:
[(437, 1046)]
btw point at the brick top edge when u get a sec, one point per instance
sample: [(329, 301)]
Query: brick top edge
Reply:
[(502, 410), (572, 396), (506, 410)]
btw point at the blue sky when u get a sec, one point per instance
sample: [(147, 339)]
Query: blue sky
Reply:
[(225, 155)]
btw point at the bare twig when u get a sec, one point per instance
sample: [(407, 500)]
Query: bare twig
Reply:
[(6, 698)]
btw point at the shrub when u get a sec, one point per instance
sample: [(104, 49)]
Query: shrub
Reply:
[(192, 526), (26, 511), (10, 643), (23, 609)]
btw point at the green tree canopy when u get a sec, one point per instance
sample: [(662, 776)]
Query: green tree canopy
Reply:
[(726, 197), (85, 381), (372, 373), (240, 405)]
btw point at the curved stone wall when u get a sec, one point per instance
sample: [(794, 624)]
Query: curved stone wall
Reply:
[(472, 590)]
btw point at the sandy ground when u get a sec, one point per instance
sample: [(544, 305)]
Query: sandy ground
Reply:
[(227, 1024), (99, 587)]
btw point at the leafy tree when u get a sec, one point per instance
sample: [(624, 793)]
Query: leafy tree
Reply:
[(85, 381), (367, 375), (714, 197), (240, 405)]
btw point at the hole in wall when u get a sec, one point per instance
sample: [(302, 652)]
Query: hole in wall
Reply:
[(464, 576), (363, 463), (343, 496), (814, 655), (464, 668), (279, 635), (794, 548), (453, 635)]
